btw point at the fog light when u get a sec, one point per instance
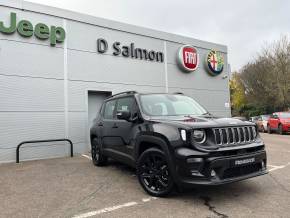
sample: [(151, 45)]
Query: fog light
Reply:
[(195, 173), (213, 173)]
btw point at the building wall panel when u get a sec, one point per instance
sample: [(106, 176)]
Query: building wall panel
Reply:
[(25, 59), (30, 94), (106, 68)]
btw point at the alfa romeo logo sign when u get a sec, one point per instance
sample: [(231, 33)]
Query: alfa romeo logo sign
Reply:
[(214, 62), (187, 58)]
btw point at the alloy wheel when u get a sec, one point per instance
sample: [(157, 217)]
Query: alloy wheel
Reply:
[(95, 152), (154, 174), (99, 159)]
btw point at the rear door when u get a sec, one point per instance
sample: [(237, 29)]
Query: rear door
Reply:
[(107, 124)]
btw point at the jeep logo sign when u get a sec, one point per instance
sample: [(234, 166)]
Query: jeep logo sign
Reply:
[(26, 29), (187, 58)]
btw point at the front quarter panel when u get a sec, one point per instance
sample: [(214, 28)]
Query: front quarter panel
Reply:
[(170, 132)]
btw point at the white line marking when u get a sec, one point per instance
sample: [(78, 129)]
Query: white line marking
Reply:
[(109, 209), (271, 165), (146, 199), (105, 210), (278, 167), (86, 156)]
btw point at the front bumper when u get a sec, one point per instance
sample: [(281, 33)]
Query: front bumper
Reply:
[(204, 169)]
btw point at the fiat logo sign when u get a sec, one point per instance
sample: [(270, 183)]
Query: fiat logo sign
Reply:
[(187, 58)]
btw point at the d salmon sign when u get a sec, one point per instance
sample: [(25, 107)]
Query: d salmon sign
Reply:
[(214, 62), (187, 58)]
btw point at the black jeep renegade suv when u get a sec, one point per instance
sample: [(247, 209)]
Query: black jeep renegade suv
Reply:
[(172, 140)]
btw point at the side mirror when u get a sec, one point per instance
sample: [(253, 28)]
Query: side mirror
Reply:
[(124, 115)]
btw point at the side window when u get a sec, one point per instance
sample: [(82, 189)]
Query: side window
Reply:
[(125, 104), (109, 109)]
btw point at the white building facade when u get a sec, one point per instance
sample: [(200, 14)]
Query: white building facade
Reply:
[(57, 66)]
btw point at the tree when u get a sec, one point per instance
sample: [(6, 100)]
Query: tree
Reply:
[(266, 80), (238, 98)]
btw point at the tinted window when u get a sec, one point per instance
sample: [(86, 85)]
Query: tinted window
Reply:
[(265, 117), (125, 104), (109, 109)]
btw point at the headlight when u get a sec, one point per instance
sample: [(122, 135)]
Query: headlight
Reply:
[(199, 136)]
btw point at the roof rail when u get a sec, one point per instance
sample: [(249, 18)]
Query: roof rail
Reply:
[(122, 93)]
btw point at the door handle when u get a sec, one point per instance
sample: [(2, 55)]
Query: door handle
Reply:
[(115, 126), (100, 124)]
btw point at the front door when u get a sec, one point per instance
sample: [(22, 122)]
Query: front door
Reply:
[(125, 129)]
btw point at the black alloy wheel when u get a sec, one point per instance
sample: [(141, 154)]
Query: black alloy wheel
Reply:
[(97, 157), (154, 174)]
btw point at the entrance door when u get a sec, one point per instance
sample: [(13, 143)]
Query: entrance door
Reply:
[(95, 101)]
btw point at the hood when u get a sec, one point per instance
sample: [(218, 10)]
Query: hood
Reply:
[(285, 120), (201, 121)]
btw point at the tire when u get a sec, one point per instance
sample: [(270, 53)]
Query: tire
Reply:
[(269, 129), (154, 174), (97, 157), (263, 129), (280, 129)]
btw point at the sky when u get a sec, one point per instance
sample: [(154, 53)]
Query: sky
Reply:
[(245, 27)]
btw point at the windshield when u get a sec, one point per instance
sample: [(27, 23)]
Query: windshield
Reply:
[(265, 117), (170, 105), (284, 115)]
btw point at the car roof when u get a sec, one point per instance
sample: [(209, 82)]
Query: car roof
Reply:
[(132, 93)]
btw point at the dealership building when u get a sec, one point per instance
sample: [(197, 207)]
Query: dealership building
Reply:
[(57, 66)]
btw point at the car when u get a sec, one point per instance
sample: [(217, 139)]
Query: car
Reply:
[(254, 119), (172, 141), (263, 122), (279, 122)]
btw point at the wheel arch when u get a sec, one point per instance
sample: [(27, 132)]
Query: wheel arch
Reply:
[(150, 141), (145, 142)]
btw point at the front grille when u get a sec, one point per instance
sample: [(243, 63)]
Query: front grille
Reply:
[(234, 135), (241, 171)]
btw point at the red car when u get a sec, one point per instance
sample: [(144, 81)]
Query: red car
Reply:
[(279, 122)]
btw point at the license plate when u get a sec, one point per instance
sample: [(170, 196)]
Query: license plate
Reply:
[(244, 161)]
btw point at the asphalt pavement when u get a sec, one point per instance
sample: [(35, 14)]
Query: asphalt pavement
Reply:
[(74, 187)]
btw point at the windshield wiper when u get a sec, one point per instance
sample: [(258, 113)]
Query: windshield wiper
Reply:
[(207, 113)]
